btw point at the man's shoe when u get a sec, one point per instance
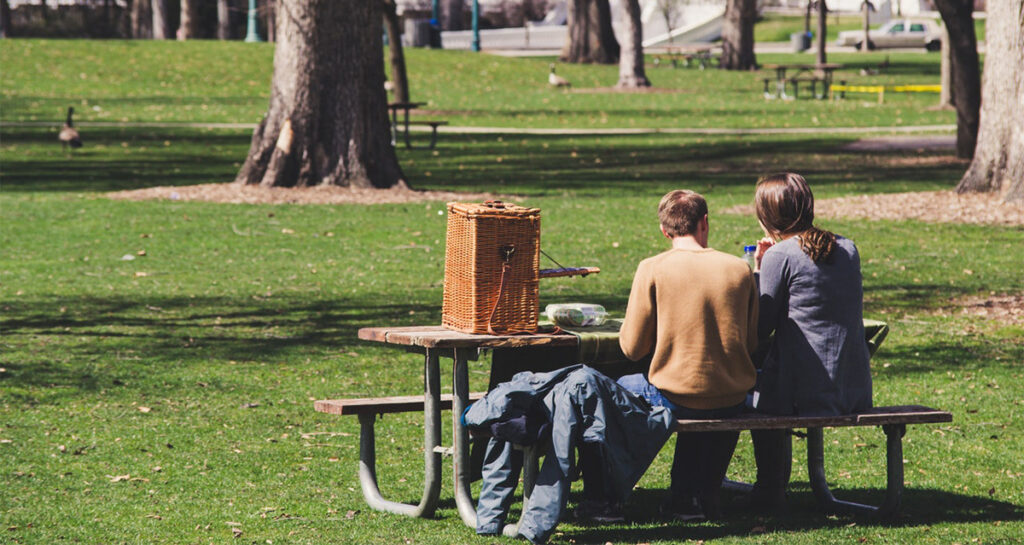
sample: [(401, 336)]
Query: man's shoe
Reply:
[(598, 511), (688, 510)]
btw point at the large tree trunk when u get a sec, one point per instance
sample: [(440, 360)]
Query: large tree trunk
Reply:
[(141, 19), (328, 119), (223, 20), (451, 14), (998, 164), (187, 26), (738, 35), (160, 23), (822, 28), (631, 58), (397, 53), (591, 38), (964, 71)]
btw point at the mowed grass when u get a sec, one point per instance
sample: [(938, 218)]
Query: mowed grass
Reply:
[(167, 397), (171, 82)]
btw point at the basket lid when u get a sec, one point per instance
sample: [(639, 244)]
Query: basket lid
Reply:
[(492, 208)]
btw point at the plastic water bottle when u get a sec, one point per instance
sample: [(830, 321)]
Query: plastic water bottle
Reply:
[(748, 254)]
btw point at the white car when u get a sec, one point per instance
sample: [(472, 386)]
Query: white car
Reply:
[(897, 33)]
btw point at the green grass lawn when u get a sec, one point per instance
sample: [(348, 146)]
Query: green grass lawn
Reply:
[(775, 27), (173, 82), (168, 398)]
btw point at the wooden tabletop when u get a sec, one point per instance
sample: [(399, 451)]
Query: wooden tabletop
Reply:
[(435, 336)]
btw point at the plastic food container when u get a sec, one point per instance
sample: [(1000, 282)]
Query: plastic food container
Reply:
[(576, 314)]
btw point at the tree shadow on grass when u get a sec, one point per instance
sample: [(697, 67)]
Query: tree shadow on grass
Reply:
[(131, 158), (91, 342)]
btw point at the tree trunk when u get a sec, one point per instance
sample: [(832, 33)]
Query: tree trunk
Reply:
[(822, 28), (865, 44), (945, 75), (738, 35), (327, 123), (223, 20), (451, 14), (141, 19), (964, 71), (631, 59), (397, 54), (187, 25), (591, 38), (271, 20), (998, 164), (5, 19), (160, 26)]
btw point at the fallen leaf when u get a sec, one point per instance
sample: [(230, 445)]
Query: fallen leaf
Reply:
[(144, 409), (118, 478), (157, 517), (992, 491), (288, 231), (351, 514), (141, 252), (250, 405), (237, 532), (141, 274), (758, 530)]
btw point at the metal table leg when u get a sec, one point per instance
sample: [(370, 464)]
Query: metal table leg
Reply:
[(894, 474), (431, 451), (460, 438)]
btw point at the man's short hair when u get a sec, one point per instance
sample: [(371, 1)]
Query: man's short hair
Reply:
[(680, 211)]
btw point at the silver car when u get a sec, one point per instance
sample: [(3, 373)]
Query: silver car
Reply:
[(897, 33)]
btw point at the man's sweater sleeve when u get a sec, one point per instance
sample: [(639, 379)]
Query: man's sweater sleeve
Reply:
[(639, 329)]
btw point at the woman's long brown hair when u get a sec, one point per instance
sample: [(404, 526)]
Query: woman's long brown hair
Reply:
[(785, 206)]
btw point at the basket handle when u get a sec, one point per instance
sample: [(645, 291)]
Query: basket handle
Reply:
[(507, 251)]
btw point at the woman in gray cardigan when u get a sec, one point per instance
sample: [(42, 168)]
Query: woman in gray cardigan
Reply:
[(812, 300)]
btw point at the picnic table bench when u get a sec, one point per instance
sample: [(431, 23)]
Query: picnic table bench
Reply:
[(801, 73), (435, 341), (404, 122), (700, 56)]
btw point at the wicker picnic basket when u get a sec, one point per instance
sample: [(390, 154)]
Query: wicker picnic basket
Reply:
[(492, 268)]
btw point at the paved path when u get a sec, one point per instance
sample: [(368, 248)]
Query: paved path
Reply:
[(513, 130)]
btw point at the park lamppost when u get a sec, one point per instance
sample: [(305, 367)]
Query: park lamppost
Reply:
[(252, 34)]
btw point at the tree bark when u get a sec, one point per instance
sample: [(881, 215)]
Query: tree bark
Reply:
[(867, 8), (271, 20), (945, 75), (160, 26), (631, 58), (141, 19), (591, 38), (223, 20), (964, 71), (327, 123), (451, 14), (397, 54), (822, 28), (5, 19), (187, 25), (998, 164), (738, 35)]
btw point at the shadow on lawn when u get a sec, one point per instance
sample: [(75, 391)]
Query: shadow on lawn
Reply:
[(921, 507), (90, 343), (115, 159)]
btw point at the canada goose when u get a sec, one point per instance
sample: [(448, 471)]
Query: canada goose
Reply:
[(556, 80), (68, 136)]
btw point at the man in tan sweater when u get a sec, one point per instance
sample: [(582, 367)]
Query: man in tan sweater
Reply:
[(693, 311)]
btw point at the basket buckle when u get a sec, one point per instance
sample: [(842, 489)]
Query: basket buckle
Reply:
[(507, 251)]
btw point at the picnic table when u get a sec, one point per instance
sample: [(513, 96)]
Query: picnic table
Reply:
[(525, 352), (700, 54), (799, 73), (402, 122)]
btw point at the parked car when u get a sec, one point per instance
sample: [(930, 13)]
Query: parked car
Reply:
[(897, 33)]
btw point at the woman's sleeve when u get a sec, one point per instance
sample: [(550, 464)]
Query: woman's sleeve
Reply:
[(639, 328), (773, 286)]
